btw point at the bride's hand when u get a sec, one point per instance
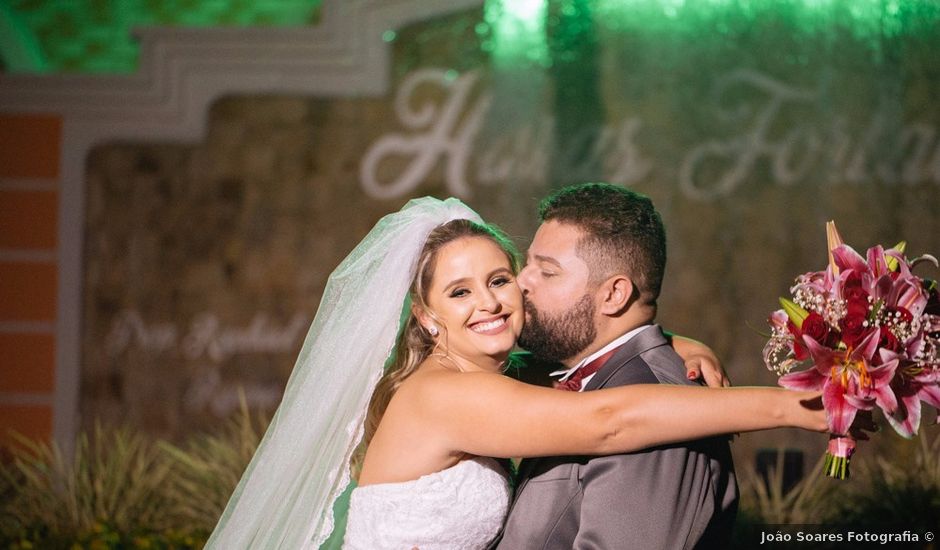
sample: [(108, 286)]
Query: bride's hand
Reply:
[(863, 423), (700, 362), (707, 367), (809, 412), (812, 416)]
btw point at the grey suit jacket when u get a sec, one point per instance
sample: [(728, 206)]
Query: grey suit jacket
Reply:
[(674, 496)]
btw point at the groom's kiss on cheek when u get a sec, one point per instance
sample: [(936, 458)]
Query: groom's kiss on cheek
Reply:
[(559, 302)]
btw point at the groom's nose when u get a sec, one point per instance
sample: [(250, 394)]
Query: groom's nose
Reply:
[(523, 279)]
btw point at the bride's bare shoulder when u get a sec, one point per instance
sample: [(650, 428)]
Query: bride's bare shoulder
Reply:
[(433, 379), (412, 408), (428, 376)]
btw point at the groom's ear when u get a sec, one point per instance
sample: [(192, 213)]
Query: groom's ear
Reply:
[(617, 293)]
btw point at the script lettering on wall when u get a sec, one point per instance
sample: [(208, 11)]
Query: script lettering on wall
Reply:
[(205, 337), (821, 148)]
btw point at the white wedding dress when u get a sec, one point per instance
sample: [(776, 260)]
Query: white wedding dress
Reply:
[(462, 507)]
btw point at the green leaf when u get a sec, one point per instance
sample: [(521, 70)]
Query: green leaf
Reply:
[(794, 312)]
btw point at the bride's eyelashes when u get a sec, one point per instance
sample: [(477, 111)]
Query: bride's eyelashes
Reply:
[(499, 281), (502, 280)]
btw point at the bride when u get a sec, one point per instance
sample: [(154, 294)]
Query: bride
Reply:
[(442, 410)]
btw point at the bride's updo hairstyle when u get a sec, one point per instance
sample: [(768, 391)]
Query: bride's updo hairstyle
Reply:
[(414, 343)]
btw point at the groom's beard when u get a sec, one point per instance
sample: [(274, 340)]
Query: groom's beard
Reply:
[(560, 337)]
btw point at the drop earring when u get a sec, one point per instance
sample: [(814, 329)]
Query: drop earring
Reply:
[(432, 330)]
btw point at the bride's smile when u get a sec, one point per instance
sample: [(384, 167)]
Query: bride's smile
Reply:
[(475, 303), (491, 326)]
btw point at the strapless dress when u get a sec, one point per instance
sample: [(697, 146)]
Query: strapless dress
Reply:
[(462, 507)]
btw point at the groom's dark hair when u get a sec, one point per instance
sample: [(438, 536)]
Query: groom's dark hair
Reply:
[(623, 233)]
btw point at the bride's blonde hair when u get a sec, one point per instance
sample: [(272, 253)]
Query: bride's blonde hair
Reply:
[(414, 344)]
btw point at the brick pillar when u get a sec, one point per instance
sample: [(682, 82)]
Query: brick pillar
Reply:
[(29, 172)]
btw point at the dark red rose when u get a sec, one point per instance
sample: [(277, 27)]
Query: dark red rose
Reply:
[(799, 351), (906, 316), (888, 340), (853, 329), (815, 327), (857, 307), (855, 294), (852, 279)]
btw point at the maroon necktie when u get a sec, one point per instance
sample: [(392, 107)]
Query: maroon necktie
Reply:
[(574, 383)]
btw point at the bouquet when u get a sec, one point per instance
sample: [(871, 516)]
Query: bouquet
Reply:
[(865, 331)]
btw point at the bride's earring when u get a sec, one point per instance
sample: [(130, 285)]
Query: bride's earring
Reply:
[(432, 330)]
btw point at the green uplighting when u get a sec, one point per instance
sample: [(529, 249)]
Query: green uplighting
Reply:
[(865, 17), (94, 36), (527, 13), (517, 31)]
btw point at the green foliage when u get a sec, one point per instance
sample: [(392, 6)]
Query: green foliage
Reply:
[(122, 489), (809, 501), (898, 487), (103, 537), (207, 468), (115, 478), (902, 488), (766, 502)]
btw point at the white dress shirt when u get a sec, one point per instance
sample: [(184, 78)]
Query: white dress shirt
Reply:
[(617, 342)]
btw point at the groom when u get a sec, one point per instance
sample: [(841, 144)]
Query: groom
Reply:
[(592, 277)]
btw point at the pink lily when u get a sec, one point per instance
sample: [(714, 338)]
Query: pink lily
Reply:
[(910, 295), (848, 378), (914, 383), (876, 261), (816, 282), (845, 257), (778, 319), (906, 420)]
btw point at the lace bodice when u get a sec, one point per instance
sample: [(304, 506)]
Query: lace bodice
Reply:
[(461, 507)]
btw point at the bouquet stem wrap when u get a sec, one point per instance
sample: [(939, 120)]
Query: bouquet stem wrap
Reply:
[(838, 456)]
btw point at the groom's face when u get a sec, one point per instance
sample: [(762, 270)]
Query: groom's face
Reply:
[(559, 305)]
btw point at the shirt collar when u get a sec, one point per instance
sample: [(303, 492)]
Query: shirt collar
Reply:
[(615, 343)]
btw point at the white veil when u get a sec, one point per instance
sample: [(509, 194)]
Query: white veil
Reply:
[(285, 497)]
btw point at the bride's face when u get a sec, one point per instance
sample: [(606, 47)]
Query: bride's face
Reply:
[(474, 295)]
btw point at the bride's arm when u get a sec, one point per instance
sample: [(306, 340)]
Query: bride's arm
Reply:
[(491, 415)]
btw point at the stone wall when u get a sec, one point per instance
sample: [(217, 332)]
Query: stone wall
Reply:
[(205, 262)]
